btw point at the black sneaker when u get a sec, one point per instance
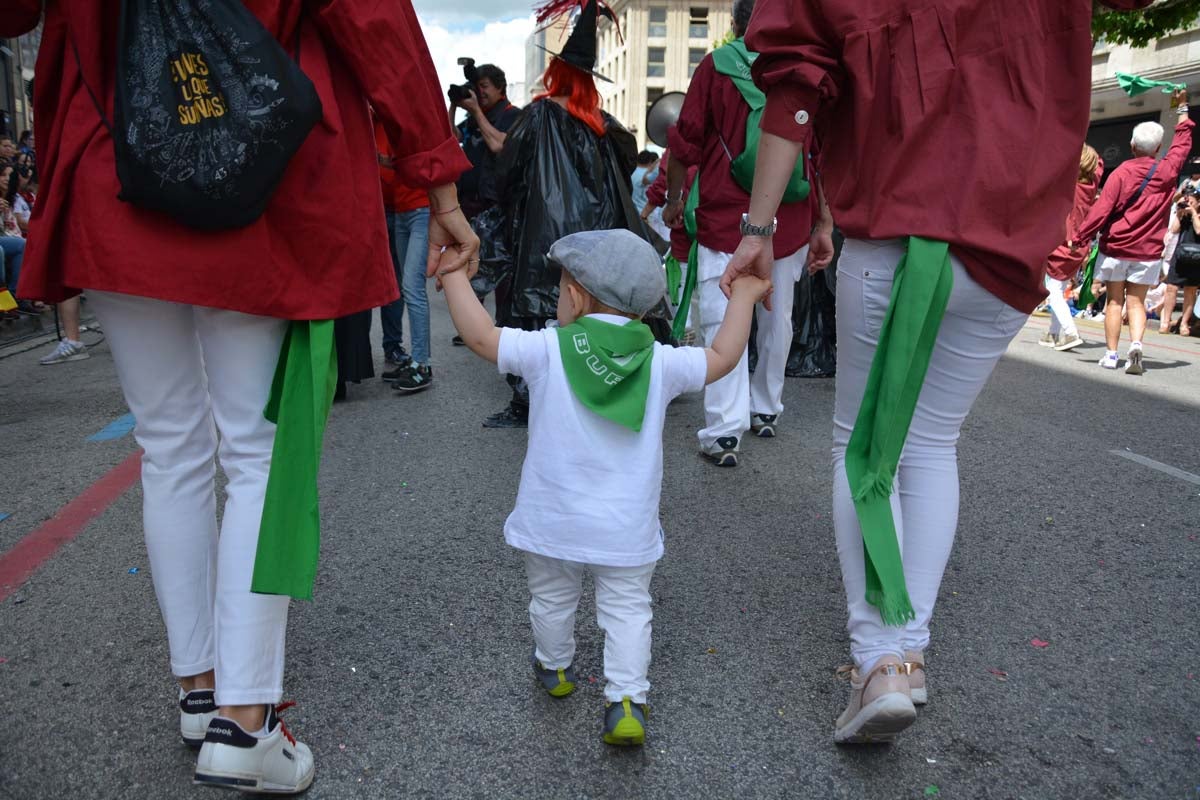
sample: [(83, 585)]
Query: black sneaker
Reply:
[(457, 341), (508, 418), (723, 453), (397, 357), (413, 378)]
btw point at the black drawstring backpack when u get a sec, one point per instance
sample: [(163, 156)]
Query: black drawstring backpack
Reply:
[(208, 110)]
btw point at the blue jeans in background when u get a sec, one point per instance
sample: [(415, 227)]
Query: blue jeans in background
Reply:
[(13, 250), (408, 235)]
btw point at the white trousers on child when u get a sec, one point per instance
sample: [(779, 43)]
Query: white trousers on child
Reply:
[(1060, 312), (189, 372), (729, 402), (622, 611), (974, 335)]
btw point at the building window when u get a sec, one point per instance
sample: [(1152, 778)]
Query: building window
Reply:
[(695, 56), (656, 62), (698, 24), (658, 22), (652, 95)]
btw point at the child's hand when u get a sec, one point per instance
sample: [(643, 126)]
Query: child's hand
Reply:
[(752, 286)]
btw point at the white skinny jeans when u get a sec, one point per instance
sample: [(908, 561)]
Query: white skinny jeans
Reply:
[(622, 611), (729, 402), (189, 372), (1060, 312), (974, 334)]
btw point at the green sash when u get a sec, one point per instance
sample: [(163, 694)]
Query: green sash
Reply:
[(920, 292), (679, 324), (608, 367), (290, 534)]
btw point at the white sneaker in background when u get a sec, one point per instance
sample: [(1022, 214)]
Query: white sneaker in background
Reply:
[(1108, 361), (1133, 361), (275, 763), (66, 350)]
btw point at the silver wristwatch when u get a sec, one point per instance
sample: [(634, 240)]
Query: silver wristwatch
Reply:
[(765, 231)]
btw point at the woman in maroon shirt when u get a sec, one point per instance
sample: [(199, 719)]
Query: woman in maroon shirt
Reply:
[(958, 122), (1063, 264), (196, 319)]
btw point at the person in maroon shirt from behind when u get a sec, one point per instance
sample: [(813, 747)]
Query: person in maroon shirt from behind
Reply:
[(1130, 259), (957, 121), (711, 130)]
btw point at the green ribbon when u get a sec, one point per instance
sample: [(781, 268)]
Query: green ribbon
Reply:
[(920, 292), (608, 367), (290, 534), (1136, 84), (679, 324), (1086, 298)]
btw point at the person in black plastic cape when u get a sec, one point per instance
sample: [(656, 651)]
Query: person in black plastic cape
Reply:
[(564, 168)]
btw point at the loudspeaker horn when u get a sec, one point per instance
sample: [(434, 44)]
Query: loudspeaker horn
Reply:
[(662, 115)]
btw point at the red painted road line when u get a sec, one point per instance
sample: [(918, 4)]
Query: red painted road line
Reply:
[(29, 554)]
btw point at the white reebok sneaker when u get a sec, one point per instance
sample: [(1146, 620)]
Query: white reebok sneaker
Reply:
[(196, 709), (234, 759)]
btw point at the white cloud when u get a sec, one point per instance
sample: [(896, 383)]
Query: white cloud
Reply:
[(499, 42)]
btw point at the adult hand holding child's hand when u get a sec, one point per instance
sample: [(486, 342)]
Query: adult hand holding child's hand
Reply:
[(751, 285)]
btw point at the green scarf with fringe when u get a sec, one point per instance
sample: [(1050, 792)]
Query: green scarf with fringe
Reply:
[(920, 292)]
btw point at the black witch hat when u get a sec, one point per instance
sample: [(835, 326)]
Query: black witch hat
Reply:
[(580, 49)]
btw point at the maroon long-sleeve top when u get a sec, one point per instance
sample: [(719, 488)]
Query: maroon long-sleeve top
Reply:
[(1137, 234), (711, 130), (320, 250), (1066, 259), (656, 195), (956, 120)]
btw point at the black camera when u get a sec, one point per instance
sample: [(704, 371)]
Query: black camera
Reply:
[(457, 93)]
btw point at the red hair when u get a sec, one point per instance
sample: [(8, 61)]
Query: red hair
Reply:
[(583, 100)]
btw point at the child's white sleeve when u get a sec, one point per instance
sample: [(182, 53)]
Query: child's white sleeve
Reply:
[(522, 353), (684, 369)]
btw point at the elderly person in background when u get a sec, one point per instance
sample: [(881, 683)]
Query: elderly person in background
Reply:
[(1131, 218)]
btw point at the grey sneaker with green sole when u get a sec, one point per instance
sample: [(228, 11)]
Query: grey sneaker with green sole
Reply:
[(556, 682), (625, 723)]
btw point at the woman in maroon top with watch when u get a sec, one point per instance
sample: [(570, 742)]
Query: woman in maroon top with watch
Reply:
[(196, 320), (959, 122)]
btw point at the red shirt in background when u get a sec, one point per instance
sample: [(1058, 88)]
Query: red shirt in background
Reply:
[(956, 120), (320, 250), (1137, 235), (396, 196), (1065, 261), (714, 110), (656, 195)]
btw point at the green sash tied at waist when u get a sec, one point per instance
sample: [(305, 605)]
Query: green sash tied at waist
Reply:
[(920, 292), (290, 534)]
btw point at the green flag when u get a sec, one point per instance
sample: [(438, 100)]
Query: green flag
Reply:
[(1136, 84), (301, 393)]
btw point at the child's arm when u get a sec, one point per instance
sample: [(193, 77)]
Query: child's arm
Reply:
[(470, 317), (730, 341)]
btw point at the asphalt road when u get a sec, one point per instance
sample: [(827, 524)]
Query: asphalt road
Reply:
[(410, 667)]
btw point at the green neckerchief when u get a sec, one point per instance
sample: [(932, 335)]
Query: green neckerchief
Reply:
[(920, 291), (290, 534), (608, 367), (1136, 84)]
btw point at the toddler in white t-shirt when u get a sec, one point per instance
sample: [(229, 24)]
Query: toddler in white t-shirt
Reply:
[(599, 386)]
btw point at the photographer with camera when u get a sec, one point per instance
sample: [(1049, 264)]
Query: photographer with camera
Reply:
[(1183, 242), (489, 116)]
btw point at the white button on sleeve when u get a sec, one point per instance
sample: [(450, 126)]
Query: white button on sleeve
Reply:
[(801, 117)]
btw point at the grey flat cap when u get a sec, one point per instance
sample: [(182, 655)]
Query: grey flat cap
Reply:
[(617, 267)]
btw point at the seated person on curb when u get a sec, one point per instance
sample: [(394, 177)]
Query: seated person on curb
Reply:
[(589, 494)]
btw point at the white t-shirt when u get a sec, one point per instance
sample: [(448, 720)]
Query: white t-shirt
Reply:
[(590, 488)]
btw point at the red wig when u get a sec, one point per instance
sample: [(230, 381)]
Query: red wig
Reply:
[(583, 100)]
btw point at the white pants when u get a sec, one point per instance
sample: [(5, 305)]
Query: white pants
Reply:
[(1060, 312), (729, 402), (974, 334), (189, 372), (622, 611)]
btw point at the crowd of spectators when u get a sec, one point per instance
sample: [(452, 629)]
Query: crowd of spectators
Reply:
[(18, 189)]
